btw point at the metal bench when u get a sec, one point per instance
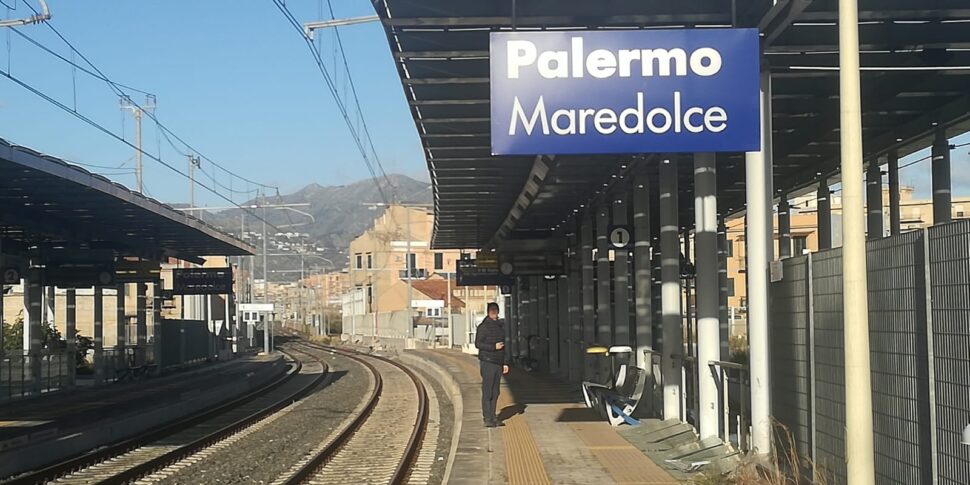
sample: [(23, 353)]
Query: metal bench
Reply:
[(620, 402)]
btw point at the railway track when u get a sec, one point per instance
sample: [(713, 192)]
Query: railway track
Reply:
[(381, 442), (132, 459), (378, 443)]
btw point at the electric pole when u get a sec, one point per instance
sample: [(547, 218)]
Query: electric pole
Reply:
[(407, 218), (267, 326), (193, 163), (137, 112)]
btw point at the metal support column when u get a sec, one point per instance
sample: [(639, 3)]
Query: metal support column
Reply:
[(575, 301), (643, 283), (942, 195), (99, 363), (541, 315), (874, 200), (2, 321), (723, 313), (589, 303), (141, 323), (515, 320), (70, 334), (33, 299), (824, 204), (760, 249), (859, 440), (156, 322), (563, 326), (895, 221), (552, 322), (621, 277), (708, 292), (604, 318), (121, 327), (673, 346), (784, 227)]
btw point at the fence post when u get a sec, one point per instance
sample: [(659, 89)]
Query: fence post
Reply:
[(923, 265), (810, 290)]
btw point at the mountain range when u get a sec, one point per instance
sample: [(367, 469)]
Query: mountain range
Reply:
[(340, 214)]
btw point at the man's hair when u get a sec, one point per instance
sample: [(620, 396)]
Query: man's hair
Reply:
[(491, 306)]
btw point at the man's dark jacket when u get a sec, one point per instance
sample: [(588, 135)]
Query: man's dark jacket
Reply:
[(489, 333)]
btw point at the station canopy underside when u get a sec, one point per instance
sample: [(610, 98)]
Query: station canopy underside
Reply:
[(914, 55), (45, 201)]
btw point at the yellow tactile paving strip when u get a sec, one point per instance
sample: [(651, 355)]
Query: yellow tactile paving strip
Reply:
[(522, 459), (523, 462), (624, 463)]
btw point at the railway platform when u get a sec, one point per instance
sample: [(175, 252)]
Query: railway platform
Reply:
[(548, 437), (67, 423)]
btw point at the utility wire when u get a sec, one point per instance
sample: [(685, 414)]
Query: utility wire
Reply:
[(116, 87), (112, 134), (336, 95), (353, 90), (74, 64)]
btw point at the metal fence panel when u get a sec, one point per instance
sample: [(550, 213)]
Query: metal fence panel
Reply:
[(790, 352), (950, 289), (829, 363), (899, 359)]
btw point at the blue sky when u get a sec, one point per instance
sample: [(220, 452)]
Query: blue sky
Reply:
[(234, 80)]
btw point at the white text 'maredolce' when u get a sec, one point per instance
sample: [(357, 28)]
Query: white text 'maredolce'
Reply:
[(602, 63)]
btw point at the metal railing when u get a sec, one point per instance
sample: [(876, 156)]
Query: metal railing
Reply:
[(130, 363), (18, 381), (734, 386)]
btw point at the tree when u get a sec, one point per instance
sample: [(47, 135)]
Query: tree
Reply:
[(13, 335), (50, 338)]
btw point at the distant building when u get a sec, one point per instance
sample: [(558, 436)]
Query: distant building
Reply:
[(377, 297), (914, 214)]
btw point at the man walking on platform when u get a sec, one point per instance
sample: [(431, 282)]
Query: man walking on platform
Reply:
[(490, 341)]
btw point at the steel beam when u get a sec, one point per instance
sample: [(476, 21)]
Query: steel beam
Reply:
[(942, 190), (874, 229)]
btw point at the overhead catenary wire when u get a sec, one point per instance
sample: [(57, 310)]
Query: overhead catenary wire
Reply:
[(114, 135), (117, 88), (353, 90), (336, 96)]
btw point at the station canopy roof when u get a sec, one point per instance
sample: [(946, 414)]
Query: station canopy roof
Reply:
[(45, 200), (914, 55)]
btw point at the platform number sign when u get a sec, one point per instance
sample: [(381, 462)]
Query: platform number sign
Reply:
[(620, 237)]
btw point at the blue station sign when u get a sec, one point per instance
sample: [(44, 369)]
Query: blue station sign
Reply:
[(643, 91)]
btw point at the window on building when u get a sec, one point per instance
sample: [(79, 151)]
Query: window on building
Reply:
[(439, 261), (360, 261), (730, 287), (800, 244), (413, 265), (370, 261), (370, 299), (434, 312), (730, 249)]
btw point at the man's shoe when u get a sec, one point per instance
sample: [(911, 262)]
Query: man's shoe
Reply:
[(491, 424)]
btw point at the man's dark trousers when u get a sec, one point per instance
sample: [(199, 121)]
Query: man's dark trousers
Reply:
[(491, 378)]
